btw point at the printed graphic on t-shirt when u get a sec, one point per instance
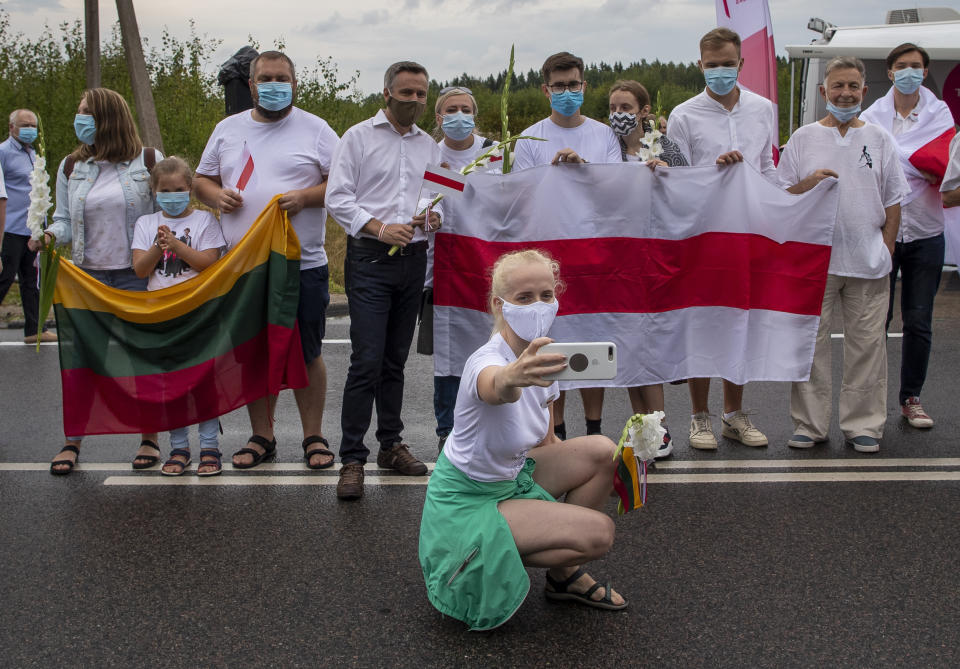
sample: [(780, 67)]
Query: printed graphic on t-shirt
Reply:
[(172, 265)]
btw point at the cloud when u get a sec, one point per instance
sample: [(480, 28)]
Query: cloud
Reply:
[(374, 17), (29, 6)]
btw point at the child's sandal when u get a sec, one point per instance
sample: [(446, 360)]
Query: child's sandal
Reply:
[(210, 453), (183, 453)]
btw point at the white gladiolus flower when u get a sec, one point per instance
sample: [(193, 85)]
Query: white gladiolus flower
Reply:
[(39, 198), (647, 436)]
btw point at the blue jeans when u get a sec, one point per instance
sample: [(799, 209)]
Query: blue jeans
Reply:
[(383, 294), (921, 265), (180, 437), (445, 390)]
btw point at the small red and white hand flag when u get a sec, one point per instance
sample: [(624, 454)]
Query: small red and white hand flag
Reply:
[(438, 179), (246, 169)]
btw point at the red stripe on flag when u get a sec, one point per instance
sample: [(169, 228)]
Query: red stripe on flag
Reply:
[(245, 174), (433, 177), (631, 275), (933, 156), (157, 402)]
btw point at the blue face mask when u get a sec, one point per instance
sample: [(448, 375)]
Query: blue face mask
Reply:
[(458, 126), (275, 95), (85, 128), (174, 204), (843, 114), (27, 135), (721, 80), (566, 103), (908, 80)]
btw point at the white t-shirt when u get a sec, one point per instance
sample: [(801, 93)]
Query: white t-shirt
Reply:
[(105, 222), (705, 130), (870, 180), (288, 154), (199, 230), (593, 141), (490, 443)]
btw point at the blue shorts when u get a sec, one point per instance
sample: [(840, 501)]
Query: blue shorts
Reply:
[(312, 310)]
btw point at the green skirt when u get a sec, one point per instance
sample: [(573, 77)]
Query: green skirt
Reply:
[(470, 561)]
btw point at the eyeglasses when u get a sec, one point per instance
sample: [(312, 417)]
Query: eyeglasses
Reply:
[(560, 87), (450, 89)]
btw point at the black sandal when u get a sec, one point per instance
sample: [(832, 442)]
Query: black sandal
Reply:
[(269, 450), (560, 592), (210, 453), (150, 460), (68, 448), (319, 450), (182, 452)]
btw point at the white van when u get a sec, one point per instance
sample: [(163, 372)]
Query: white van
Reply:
[(935, 29)]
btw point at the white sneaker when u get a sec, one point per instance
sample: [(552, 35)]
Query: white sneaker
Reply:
[(741, 429), (701, 432)]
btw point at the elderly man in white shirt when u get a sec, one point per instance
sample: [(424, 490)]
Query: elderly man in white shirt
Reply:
[(918, 121), (864, 158), (723, 125), (373, 192)]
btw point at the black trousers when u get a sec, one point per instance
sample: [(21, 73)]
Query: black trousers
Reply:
[(383, 294), (18, 263)]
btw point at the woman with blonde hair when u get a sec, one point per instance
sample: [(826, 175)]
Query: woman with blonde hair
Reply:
[(491, 507), (103, 187)]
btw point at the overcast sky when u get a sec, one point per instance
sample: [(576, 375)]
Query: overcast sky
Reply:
[(454, 36)]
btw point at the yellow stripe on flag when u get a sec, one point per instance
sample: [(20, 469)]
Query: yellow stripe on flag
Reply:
[(270, 233)]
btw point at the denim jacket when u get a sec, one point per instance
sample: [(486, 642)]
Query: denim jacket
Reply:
[(72, 193)]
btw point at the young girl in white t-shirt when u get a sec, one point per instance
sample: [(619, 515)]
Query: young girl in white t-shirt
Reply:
[(171, 246)]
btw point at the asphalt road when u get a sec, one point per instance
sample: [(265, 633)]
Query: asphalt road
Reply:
[(743, 557)]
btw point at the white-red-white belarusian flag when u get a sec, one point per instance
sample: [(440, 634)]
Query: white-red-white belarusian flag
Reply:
[(444, 181), (693, 271), (246, 168), (924, 149), (751, 20)]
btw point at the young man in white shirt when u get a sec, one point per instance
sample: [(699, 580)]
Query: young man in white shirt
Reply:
[(374, 193), (917, 119), (865, 160), (723, 125), (250, 157), (571, 138)]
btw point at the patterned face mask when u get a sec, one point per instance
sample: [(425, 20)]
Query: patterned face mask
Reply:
[(623, 123)]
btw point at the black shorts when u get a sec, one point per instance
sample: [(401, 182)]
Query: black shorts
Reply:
[(312, 310)]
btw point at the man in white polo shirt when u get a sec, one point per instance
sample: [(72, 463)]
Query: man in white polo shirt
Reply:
[(250, 157), (723, 125), (865, 160), (571, 138)]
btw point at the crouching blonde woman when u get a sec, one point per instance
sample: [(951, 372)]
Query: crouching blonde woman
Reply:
[(491, 505)]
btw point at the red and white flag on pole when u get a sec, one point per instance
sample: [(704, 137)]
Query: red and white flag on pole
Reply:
[(751, 20), (246, 168), (438, 179), (728, 283)]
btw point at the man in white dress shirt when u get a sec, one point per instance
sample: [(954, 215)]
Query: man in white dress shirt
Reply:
[(723, 125), (373, 193)]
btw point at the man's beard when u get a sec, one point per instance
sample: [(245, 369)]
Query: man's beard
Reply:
[(274, 115)]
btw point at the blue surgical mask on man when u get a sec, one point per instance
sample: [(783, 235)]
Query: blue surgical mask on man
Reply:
[(458, 126), (908, 80), (721, 80), (275, 95), (566, 103), (174, 204), (27, 135), (85, 127), (843, 114)]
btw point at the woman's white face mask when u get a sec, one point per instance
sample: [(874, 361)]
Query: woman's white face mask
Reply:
[(529, 321)]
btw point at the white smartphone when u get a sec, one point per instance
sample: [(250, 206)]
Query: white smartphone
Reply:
[(586, 361)]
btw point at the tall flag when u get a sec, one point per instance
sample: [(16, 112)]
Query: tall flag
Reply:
[(152, 361), (682, 291), (751, 20)]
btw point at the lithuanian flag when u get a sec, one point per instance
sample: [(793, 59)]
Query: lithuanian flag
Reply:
[(153, 361)]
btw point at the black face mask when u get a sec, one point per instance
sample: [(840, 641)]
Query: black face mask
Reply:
[(405, 112)]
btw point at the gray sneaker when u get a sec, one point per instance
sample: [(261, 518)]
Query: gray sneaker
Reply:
[(864, 444)]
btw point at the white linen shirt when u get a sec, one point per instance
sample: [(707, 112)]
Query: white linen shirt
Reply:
[(951, 179), (705, 130), (376, 173)]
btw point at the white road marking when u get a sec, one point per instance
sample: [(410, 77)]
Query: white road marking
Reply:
[(257, 480), (125, 467), (808, 464), (804, 477)]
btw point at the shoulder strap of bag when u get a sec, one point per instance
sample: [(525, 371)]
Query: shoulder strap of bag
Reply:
[(149, 157), (68, 163)]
